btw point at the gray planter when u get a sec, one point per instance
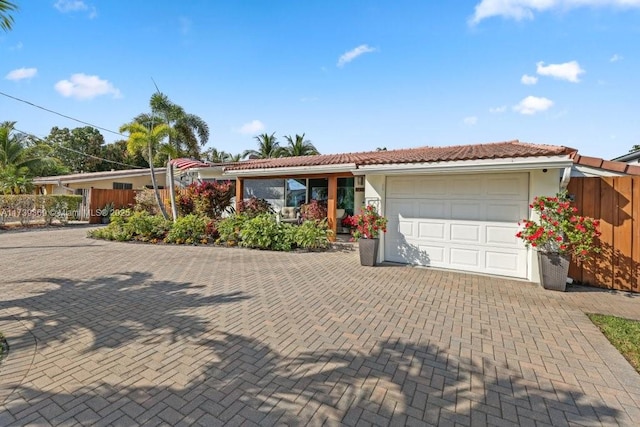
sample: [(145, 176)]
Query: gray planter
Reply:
[(368, 251), (554, 270)]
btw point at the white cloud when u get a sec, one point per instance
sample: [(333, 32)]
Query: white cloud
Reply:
[(21, 74), (252, 127), (569, 71), (526, 9), (353, 54), (65, 6), (470, 121), (82, 86), (17, 46), (528, 80), (532, 105), (498, 110), (616, 58)]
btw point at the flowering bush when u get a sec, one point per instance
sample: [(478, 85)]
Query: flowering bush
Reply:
[(349, 221), (314, 210), (368, 224), (559, 229)]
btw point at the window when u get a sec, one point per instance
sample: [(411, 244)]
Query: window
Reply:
[(122, 186), (296, 192)]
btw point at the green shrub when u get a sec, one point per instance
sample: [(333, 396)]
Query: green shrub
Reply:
[(312, 235), (210, 199), (229, 228), (29, 207), (189, 229), (264, 232), (127, 225)]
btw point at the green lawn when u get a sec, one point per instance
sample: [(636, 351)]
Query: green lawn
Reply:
[(624, 334)]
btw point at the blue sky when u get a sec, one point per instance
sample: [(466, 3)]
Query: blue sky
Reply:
[(352, 75)]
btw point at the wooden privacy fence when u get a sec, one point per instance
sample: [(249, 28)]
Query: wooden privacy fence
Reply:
[(99, 198), (615, 201)]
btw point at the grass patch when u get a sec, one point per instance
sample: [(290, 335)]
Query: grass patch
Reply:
[(624, 334)]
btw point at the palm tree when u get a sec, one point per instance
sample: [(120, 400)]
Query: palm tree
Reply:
[(6, 20), (299, 146), (268, 148), (234, 158), (188, 131), (216, 156), (146, 140), (16, 163)]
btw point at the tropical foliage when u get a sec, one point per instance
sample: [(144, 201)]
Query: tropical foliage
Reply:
[(368, 224), (268, 148), (298, 146), (6, 20)]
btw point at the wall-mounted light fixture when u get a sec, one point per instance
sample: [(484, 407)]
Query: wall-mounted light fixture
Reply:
[(359, 181)]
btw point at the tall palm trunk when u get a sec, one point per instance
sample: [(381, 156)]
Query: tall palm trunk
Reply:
[(155, 185)]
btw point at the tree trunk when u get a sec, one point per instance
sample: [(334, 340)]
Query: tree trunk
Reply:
[(155, 185)]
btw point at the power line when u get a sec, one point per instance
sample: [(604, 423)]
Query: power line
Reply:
[(61, 115), (79, 152)]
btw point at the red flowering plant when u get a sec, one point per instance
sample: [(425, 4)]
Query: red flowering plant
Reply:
[(368, 224), (559, 229)]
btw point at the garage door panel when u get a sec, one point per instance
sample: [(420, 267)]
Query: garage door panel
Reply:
[(431, 230), (513, 187), (505, 263), (432, 209), (465, 233), (506, 212), (502, 235), (406, 228), (402, 187), (467, 211), (462, 222), (466, 187), (465, 257)]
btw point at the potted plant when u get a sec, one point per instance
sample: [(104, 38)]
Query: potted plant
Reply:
[(558, 235), (368, 225), (106, 212)]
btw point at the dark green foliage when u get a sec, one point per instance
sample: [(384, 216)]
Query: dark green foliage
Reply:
[(189, 229), (128, 225), (312, 235), (229, 228), (264, 232)]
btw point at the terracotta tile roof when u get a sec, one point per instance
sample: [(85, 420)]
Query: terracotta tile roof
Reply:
[(610, 165), (497, 150)]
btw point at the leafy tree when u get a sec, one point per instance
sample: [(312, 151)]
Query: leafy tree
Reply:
[(634, 148), (6, 20), (188, 132), (268, 148), (17, 163), (79, 149), (147, 141), (234, 158), (299, 146), (216, 156), (118, 152)]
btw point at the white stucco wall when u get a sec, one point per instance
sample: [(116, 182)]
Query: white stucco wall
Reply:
[(375, 193)]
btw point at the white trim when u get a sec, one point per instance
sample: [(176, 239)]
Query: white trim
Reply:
[(106, 176), (589, 171), (294, 170), (469, 166)]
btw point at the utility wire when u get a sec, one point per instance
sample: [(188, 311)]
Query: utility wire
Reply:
[(79, 152), (61, 115)]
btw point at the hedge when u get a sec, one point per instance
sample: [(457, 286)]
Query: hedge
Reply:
[(27, 208)]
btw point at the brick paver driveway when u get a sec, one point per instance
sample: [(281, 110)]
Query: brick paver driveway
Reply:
[(125, 334)]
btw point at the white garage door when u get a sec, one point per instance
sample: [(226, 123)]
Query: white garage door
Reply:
[(463, 222)]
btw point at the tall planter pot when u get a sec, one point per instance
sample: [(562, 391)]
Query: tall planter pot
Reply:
[(368, 251), (554, 270)]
